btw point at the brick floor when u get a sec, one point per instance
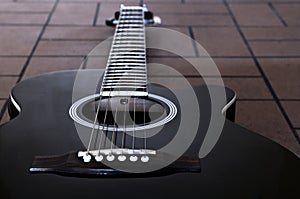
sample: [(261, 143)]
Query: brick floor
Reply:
[(254, 43)]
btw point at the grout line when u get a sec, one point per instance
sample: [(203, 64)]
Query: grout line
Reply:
[(25, 12), (166, 26), (290, 100), (161, 56), (38, 40), (268, 84), (263, 2), (209, 76), (96, 14), (85, 59), (100, 39), (256, 99), (8, 75), (1, 98), (65, 39), (258, 40), (275, 11), (31, 54), (3, 109), (164, 2), (192, 14), (193, 41)]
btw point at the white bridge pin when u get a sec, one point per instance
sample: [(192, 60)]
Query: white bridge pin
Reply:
[(87, 158), (122, 158), (133, 158), (145, 158), (99, 158), (110, 157)]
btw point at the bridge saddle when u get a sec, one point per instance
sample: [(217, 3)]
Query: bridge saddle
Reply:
[(121, 154)]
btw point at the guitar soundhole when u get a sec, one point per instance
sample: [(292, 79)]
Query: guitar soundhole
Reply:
[(124, 111)]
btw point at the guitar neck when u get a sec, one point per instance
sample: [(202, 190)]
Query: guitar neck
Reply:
[(126, 71)]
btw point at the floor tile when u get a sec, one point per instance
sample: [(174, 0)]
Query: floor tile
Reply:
[(74, 14), (196, 20), (11, 65), (276, 33), (178, 8), (248, 88), (227, 67), (254, 15), (276, 48), (265, 118), (245, 88), (23, 40), (78, 33), (292, 109), (25, 7), (283, 75), (290, 13), (260, 1), (65, 48), (221, 41), (39, 65), (5, 117), (32, 18), (6, 85), (169, 19), (204, 1), (106, 11)]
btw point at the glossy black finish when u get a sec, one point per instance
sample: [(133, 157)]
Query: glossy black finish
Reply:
[(241, 165)]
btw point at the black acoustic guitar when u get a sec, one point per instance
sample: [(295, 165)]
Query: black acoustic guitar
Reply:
[(127, 138)]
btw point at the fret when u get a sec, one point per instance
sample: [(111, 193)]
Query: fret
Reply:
[(129, 57), (123, 77), (127, 53), (125, 50), (117, 87), (131, 25), (130, 17), (129, 68), (132, 42), (127, 64), (127, 74), (128, 45), (129, 29), (125, 71), (139, 33), (130, 81), (132, 13), (124, 83), (127, 60), (127, 38), (126, 21)]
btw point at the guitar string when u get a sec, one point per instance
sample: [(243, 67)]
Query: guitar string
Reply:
[(97, 112), (104, 120), (101, 91), (145, 138)]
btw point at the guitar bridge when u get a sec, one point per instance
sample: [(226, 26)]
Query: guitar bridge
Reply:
[(70, 164)]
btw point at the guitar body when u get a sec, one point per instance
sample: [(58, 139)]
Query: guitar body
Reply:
[(241, 165)]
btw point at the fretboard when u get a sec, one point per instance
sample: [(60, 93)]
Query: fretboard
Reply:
[(126, 72)]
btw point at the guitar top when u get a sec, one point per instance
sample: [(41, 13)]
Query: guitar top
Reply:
[(111, 133)]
